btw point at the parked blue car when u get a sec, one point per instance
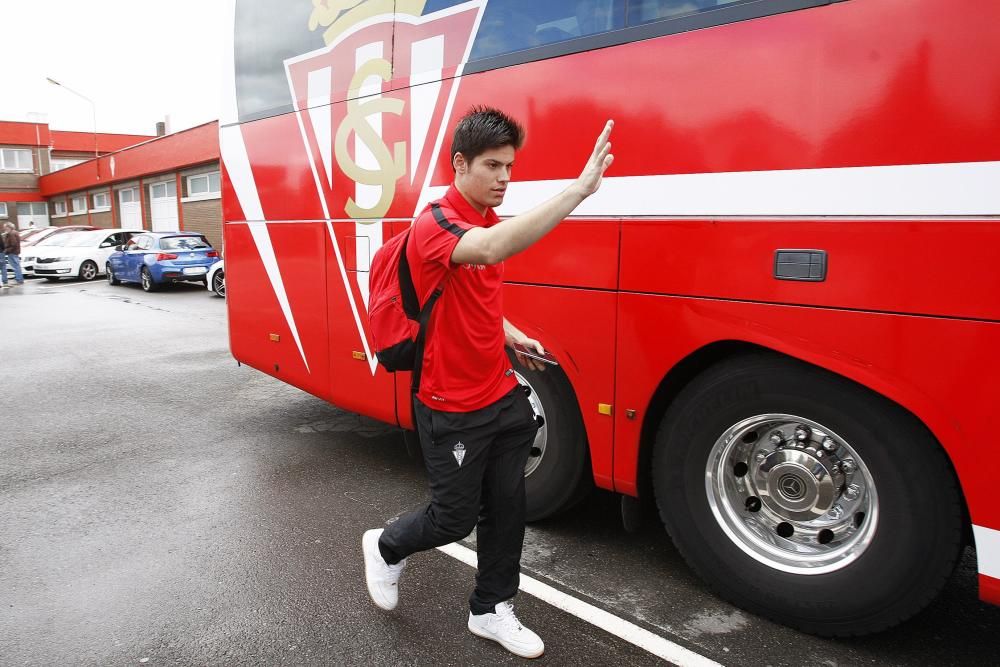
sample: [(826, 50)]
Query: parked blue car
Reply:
[(154, 258)]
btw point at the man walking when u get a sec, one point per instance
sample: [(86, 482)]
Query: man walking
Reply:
[(475, 424), (10, 251)]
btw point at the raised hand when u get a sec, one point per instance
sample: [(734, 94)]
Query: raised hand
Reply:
[(600, 159)]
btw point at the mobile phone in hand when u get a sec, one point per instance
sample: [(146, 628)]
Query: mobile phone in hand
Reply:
[(529, 352)]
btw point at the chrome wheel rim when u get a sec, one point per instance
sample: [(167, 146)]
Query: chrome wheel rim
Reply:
[(111, 276), (219, 284), (791, 494), (89, 271), (538, 447), (145, 280)]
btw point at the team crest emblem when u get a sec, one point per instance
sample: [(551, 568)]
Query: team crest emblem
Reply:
[(372, 107), (459, 453)]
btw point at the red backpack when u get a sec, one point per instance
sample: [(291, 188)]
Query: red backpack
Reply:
[(395, 318)]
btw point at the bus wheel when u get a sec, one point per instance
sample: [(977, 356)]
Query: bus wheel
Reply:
[(803, 497), (557, 475)]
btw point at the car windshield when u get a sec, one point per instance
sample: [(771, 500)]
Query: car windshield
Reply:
[(61, 239), (184, 243), (86, 239)]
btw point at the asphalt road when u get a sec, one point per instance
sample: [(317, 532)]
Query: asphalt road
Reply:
[(161, 505)]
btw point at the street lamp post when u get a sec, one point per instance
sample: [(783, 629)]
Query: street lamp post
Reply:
[(93, 108)]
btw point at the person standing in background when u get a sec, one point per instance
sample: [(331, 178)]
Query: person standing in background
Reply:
[(11, 252)]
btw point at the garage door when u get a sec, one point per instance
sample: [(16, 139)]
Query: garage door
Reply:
[(128, 206), (163, 206), (35, 212)]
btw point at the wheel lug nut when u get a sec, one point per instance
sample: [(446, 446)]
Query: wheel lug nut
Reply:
[(852, 491), (847, 465), (776, 439), (762, 455), (836, 511), (829, 445), (802, 433)]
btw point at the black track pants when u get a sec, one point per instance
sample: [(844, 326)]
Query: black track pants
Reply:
[(475, 462)]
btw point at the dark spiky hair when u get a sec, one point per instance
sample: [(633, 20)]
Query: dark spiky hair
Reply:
[(483, 128)]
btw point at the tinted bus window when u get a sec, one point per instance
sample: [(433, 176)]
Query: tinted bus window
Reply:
[(647, 11), (511, 32), (516, 25), (509, 26), (268, 32)]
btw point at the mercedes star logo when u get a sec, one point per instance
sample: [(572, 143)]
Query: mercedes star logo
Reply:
[(791, 487)]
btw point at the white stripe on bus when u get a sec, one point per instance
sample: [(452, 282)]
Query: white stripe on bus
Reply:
[(987, 550), (921, 190), (320, 115), (427, 63)]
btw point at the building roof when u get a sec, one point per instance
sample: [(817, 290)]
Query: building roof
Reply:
[(24, 134), (190, 147), (84, 141), (17, 133)]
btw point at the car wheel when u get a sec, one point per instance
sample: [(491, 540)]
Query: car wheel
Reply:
[(147, 282), (112, 280), (88, 270), (219, 283), (803, 497), (557, 475)]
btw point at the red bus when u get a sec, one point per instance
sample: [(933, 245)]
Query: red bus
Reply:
[(778, 319)]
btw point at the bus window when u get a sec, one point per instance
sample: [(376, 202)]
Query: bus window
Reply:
[(268, 32), (647, 11), (515, 25)]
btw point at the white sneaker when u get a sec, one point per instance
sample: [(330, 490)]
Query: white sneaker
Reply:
[(5, 286), (382, 578), (504, 628)]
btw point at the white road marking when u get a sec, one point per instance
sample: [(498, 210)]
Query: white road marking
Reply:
[(619, 627)]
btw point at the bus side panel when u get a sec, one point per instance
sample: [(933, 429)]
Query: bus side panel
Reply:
[(283, 178), (822, 87), (356, 385), (926, 267), (577, 253), (927, 365), (290, 343), (578, 327)]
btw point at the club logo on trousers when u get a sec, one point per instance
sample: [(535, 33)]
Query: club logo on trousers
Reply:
[(372, 107), (459, 452)]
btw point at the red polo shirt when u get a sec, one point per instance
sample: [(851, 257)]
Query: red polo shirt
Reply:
[(465, 365)]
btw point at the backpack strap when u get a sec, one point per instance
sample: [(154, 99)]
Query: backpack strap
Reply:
[(418, 361), (407, 292), (424, 315)]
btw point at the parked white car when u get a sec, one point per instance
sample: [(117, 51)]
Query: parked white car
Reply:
[(78, 254), (216, 279), (32, 238)]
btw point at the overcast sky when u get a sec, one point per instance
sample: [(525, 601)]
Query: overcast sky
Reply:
[(138, 60)]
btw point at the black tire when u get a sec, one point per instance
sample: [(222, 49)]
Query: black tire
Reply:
[(219, 283), (88, 271), (914, 543), (147, 282), (561, 477), (112, 280)]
